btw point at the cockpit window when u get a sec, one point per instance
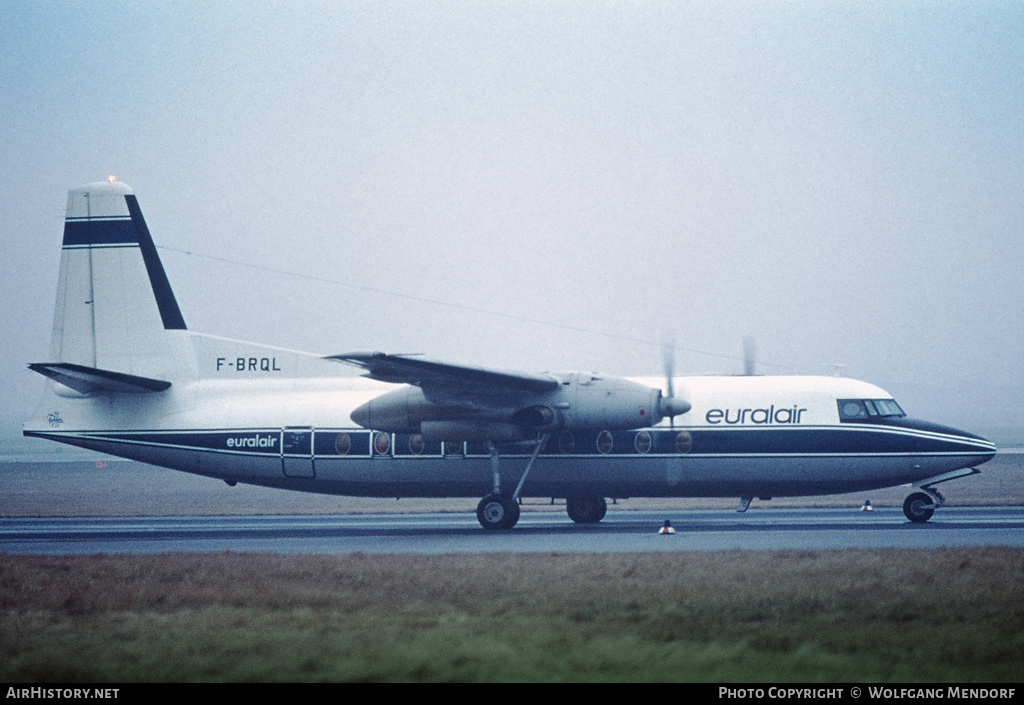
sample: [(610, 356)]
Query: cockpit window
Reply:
[(868, 409), (889, 407)]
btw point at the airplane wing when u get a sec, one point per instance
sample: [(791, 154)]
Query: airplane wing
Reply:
[(431, 375)]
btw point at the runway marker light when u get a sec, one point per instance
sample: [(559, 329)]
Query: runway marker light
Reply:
[(667, 530), (867, 506)]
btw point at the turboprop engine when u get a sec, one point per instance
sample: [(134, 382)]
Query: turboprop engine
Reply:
[(579, 401)]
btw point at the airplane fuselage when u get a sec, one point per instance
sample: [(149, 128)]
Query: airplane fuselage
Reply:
[(744, 436)]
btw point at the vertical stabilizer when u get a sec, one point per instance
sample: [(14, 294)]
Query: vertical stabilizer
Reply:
[(114, 302)]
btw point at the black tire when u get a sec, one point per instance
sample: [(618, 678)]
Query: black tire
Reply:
[(586, 509), (496, 511), (919, 507)]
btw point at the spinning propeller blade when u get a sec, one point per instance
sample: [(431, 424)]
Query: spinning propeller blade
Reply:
[(749, 356), (668, 404)]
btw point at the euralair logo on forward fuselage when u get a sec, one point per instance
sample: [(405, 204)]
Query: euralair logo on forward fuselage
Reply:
[(254, 441), (763, 416)]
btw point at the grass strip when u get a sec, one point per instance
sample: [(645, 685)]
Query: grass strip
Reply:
[(945, 615)]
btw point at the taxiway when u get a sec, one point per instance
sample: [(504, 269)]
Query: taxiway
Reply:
[(620, 532)]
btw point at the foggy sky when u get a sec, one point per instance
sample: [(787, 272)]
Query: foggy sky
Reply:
[(545, 185)]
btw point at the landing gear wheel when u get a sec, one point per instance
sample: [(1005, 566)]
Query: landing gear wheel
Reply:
[(586, 509), (496, 511), (919, 507)]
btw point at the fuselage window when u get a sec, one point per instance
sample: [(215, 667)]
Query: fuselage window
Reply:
[(851, 409), (604, 442), (343, 443), (888, 407), (452, 448), (382, 443), (416, 444), (643, 442), (684, 442)]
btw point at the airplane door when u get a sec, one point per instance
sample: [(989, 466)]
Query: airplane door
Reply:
[(297, 452)]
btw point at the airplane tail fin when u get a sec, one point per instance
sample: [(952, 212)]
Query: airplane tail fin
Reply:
[(114, 302)]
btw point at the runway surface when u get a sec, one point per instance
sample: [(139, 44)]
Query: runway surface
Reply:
[(620, 532)]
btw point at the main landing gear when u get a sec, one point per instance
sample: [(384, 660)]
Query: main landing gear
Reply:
[(586, 508), (498, 510)]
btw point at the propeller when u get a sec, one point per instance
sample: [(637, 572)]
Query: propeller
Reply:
[(668, 404), (749, 356)]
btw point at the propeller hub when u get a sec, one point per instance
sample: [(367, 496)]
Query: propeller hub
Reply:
[(673, 406)]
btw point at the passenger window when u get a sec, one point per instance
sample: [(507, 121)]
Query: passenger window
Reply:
[(643, 442), (343, 444)]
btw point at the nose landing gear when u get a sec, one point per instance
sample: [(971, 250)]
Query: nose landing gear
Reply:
[(920, 506)]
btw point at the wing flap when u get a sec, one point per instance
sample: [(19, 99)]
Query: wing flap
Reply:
[(92, 379), (433, 375)]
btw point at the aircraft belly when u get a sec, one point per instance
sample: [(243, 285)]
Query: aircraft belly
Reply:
[(634, 477)]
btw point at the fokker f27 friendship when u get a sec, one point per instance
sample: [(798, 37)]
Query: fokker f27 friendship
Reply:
[(127, 378)]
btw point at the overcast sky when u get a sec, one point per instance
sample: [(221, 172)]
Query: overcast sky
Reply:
[(545, 185)]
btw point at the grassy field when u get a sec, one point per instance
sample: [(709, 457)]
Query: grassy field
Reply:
[(873, 615)]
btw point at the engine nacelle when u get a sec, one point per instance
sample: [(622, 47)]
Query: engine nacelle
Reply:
[(607, 403), (403, 410)]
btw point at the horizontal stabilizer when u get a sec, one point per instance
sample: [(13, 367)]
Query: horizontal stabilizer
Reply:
[(90, 379), (428, 373)]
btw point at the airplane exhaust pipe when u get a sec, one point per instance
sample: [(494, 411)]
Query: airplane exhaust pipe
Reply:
[(534, 416)]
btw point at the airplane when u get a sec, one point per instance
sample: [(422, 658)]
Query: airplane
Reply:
[(126, 377)]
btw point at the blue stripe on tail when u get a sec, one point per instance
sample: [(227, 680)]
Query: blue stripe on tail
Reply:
[(168, 305)]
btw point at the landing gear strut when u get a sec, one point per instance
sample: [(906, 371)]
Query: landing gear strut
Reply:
[(498, 510)]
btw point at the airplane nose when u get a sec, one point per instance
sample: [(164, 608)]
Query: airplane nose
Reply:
[(982, 449), (973, 448)]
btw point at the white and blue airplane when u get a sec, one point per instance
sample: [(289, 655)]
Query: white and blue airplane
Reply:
[(127, 378)]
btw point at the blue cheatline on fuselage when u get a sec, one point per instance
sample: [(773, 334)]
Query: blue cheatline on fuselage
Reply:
[(636, 463), (824, 441)]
